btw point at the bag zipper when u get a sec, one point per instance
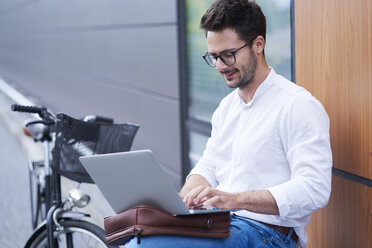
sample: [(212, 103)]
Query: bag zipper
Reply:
[(138, 231)]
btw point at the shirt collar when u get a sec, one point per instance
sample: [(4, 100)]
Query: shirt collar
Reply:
[(264, 86)]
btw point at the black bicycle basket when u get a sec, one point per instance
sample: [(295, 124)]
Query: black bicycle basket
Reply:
[(76, 138)]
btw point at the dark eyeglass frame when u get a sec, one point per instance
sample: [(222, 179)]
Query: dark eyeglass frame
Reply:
[(209, 61)]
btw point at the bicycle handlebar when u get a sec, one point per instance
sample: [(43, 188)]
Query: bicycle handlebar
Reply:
[(47, 118), (28, 109)]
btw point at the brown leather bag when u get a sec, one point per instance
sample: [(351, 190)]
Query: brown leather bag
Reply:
[(146, 220)]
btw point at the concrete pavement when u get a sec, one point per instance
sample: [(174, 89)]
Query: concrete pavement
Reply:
[(15, 224)]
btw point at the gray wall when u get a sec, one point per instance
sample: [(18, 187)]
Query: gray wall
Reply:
[(116, 58)]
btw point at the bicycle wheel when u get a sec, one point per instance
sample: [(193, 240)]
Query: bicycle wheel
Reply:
[(75, 233), (37, 200)]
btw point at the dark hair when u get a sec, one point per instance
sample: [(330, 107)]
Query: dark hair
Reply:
[(243, 16)]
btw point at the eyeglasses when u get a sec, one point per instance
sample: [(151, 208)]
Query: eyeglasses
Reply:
[(228, 58)]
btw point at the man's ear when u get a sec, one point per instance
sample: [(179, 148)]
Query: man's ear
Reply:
[(259, 44)]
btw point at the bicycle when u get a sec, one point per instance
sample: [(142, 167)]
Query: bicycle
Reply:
[(55, 220)]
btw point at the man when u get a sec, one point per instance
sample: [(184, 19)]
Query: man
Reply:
[(269, 152)]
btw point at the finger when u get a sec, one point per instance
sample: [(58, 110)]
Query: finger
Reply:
[(192, 194), (204, 195), (221, 200), (213, 202), (189, 198)]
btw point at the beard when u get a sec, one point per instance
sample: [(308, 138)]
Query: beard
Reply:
[(248, 72)]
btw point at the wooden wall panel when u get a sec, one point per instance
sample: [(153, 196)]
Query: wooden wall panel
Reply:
[(347, 220), (333, 42), (334, 61)]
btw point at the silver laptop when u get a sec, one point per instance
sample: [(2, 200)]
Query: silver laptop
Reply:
[(128, 179)]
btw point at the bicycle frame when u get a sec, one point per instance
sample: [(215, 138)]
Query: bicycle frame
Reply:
[(51, 181), (54, 203), (47, 175), (53, 199)]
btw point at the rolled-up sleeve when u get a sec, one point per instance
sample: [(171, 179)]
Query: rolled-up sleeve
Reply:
[(306, 141)]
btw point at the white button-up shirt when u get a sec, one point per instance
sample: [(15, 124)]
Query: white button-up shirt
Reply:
[(279, 141)]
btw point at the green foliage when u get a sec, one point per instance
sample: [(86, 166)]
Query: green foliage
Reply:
[(195, 9)]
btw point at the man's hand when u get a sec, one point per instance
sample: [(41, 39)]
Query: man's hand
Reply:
[(197, 191), (193, 182), (208, 196), (259, 201)]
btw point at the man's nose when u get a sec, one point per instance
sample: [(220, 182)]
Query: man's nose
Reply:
[(220, 65)]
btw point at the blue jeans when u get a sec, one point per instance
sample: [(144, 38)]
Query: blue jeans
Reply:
[(243, 233)]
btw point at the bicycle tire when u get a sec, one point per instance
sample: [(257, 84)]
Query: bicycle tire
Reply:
[(84, 234)]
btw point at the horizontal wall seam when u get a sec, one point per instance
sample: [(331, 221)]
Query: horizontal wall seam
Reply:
[(352, 177), (96, 79), (16, 6), (86, 28)]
